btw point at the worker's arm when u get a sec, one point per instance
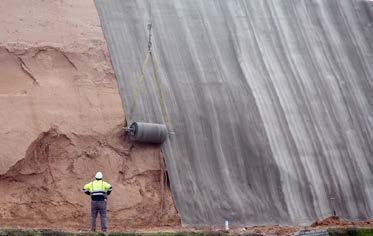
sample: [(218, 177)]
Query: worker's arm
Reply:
[(87, 189), (108, 188), (109, 191)]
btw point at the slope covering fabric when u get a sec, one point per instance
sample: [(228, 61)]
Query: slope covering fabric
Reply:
[(271, 103)]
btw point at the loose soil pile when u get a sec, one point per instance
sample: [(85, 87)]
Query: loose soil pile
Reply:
[(327, 223), (43, 190), (336, 221), (55, 71)]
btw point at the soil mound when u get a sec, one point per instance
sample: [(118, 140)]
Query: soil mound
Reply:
[(337, 221), (43, 190)]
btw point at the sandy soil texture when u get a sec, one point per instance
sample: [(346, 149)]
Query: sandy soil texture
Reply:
[(54, 70), (43, 190), (60, 122)]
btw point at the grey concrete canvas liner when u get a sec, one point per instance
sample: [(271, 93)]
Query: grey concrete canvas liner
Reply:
[(271, 103)]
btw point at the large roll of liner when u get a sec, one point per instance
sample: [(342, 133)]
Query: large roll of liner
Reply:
[(147, 132)]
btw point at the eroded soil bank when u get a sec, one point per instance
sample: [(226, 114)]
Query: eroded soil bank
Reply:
[(55, 69), (60, 122), (43, 190)]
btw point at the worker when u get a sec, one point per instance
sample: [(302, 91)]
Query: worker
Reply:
[(98, 190)]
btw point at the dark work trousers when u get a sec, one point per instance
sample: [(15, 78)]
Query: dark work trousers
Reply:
[(98, 207)]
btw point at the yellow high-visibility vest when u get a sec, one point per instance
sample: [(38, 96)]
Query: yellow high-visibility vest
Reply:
[(97, 185)]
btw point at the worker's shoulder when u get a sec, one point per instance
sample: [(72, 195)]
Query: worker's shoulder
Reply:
[(106, 183), (89, 183)]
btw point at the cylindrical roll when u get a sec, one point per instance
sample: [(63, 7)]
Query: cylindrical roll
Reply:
[(147, 132)]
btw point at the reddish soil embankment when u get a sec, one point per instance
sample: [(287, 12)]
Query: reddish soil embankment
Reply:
[(42, 86), (55, 71), (43, 190)]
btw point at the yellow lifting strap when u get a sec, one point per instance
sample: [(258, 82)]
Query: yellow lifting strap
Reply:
[(141, 83), (138, 88)]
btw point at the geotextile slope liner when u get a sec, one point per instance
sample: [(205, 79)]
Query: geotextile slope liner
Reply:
[(271, 103)]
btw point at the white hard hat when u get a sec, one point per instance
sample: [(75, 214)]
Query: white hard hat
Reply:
[(99, 175)]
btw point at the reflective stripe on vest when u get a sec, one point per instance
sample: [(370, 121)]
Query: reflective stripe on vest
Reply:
[(97, 189)]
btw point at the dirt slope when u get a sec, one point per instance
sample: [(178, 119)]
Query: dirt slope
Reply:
[(43, 190), (54, 70), (60, 122)]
